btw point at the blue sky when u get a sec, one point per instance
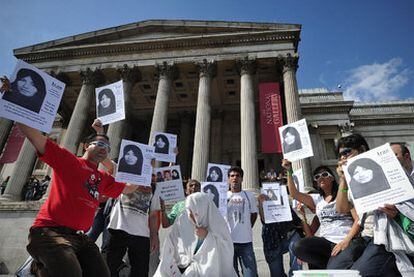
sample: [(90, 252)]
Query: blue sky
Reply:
[(367, 46)]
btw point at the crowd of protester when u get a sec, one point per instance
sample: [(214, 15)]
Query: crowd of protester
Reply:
[(85, 201)]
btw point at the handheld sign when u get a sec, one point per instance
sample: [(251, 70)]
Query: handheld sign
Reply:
[(34, 97), (164, 145), (296, 143), (110, 105)]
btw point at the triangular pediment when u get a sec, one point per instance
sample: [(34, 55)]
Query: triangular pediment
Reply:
[(157, 30)]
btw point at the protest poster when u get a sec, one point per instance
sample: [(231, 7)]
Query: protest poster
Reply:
[(218, 192), (165, 145), (169, 183), (217, 172), (110, 105), (134, 164), (296, 143), (299, 183), (278, 213), (33, 99), (272, 191), (375, 178)]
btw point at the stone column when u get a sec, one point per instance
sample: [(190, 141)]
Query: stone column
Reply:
[(184, 156), (216, 136), (117, 130), (247, 69), (203, 116), (22, 170), (293, 109), (166, 74), (5, 128), (85, 101)]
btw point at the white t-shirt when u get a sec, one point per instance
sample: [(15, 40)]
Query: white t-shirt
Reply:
[(130, 213), (334, 226), (239, 209)]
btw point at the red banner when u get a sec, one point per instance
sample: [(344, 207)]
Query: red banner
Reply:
[(270, 117), (13, 145)]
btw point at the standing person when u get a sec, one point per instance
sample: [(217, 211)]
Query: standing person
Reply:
[(167, 220), (56, 240), (241, 216), (403, 155), (378, 257), (134, 230), (336, 230), (278, 239), (4, 184)]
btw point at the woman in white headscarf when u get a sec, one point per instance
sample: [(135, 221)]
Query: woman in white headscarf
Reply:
[(199, 243)]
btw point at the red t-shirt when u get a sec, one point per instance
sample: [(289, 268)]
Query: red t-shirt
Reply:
[(75, 188)]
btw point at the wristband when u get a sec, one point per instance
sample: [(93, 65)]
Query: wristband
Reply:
[(344, 190), (289, 172), (100, 134)]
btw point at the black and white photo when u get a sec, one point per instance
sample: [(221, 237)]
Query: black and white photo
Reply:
[(131, 161), (110, 106), (291, 140), (106, 102), (165, 146), (217, 172)]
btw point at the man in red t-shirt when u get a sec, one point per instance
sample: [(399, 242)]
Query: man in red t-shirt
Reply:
[(57, 241)]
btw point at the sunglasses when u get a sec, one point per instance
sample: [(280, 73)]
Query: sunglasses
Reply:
[(324, 174), (345, 152), (102, 144)]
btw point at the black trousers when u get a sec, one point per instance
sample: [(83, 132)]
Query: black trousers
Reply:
[(138, 249), (316, 252), (60, 252)]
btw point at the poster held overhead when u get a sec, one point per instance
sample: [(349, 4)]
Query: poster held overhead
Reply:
[(33, 99), (134, 164), (164, 145), (110, 105), (375, 178), (217, 172), (296, 143)]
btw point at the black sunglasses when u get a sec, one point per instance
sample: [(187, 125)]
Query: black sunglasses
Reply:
[(345, 152)]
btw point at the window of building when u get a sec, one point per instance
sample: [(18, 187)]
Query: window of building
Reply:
[(330, 149)]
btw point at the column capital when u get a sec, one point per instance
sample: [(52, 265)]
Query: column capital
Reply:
[(207, 68), (289, 62), (61, 76), (92, 77), (129, 74), (167, 70), (246, 66), (346, 129)]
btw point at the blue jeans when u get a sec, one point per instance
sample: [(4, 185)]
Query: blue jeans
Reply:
[(100, 224), (243, 253), (274, 257), (375, 260)]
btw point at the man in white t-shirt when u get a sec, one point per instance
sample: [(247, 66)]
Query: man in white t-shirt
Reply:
[(241, 216), (133, 228)]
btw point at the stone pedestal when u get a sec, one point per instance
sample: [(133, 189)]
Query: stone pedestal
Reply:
[(293, 110), (203, 117), (247, 69), (83, 105)]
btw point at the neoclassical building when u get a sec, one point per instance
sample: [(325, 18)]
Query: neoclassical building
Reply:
[(197, 79)]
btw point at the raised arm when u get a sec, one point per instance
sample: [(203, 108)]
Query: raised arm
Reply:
[(342, 202), (304, 198), (37, 139)]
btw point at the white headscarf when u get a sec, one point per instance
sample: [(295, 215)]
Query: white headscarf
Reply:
[(215, 255)]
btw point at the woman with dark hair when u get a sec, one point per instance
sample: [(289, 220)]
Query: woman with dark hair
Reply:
[(215, 174), (175, 175), (106, 102), (28, 90), (161, 144), (131, 161), (367, 177), (213, 192), (335, 230), (290, 140)]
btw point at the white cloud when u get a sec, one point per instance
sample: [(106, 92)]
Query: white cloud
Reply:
[(376, 82)]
